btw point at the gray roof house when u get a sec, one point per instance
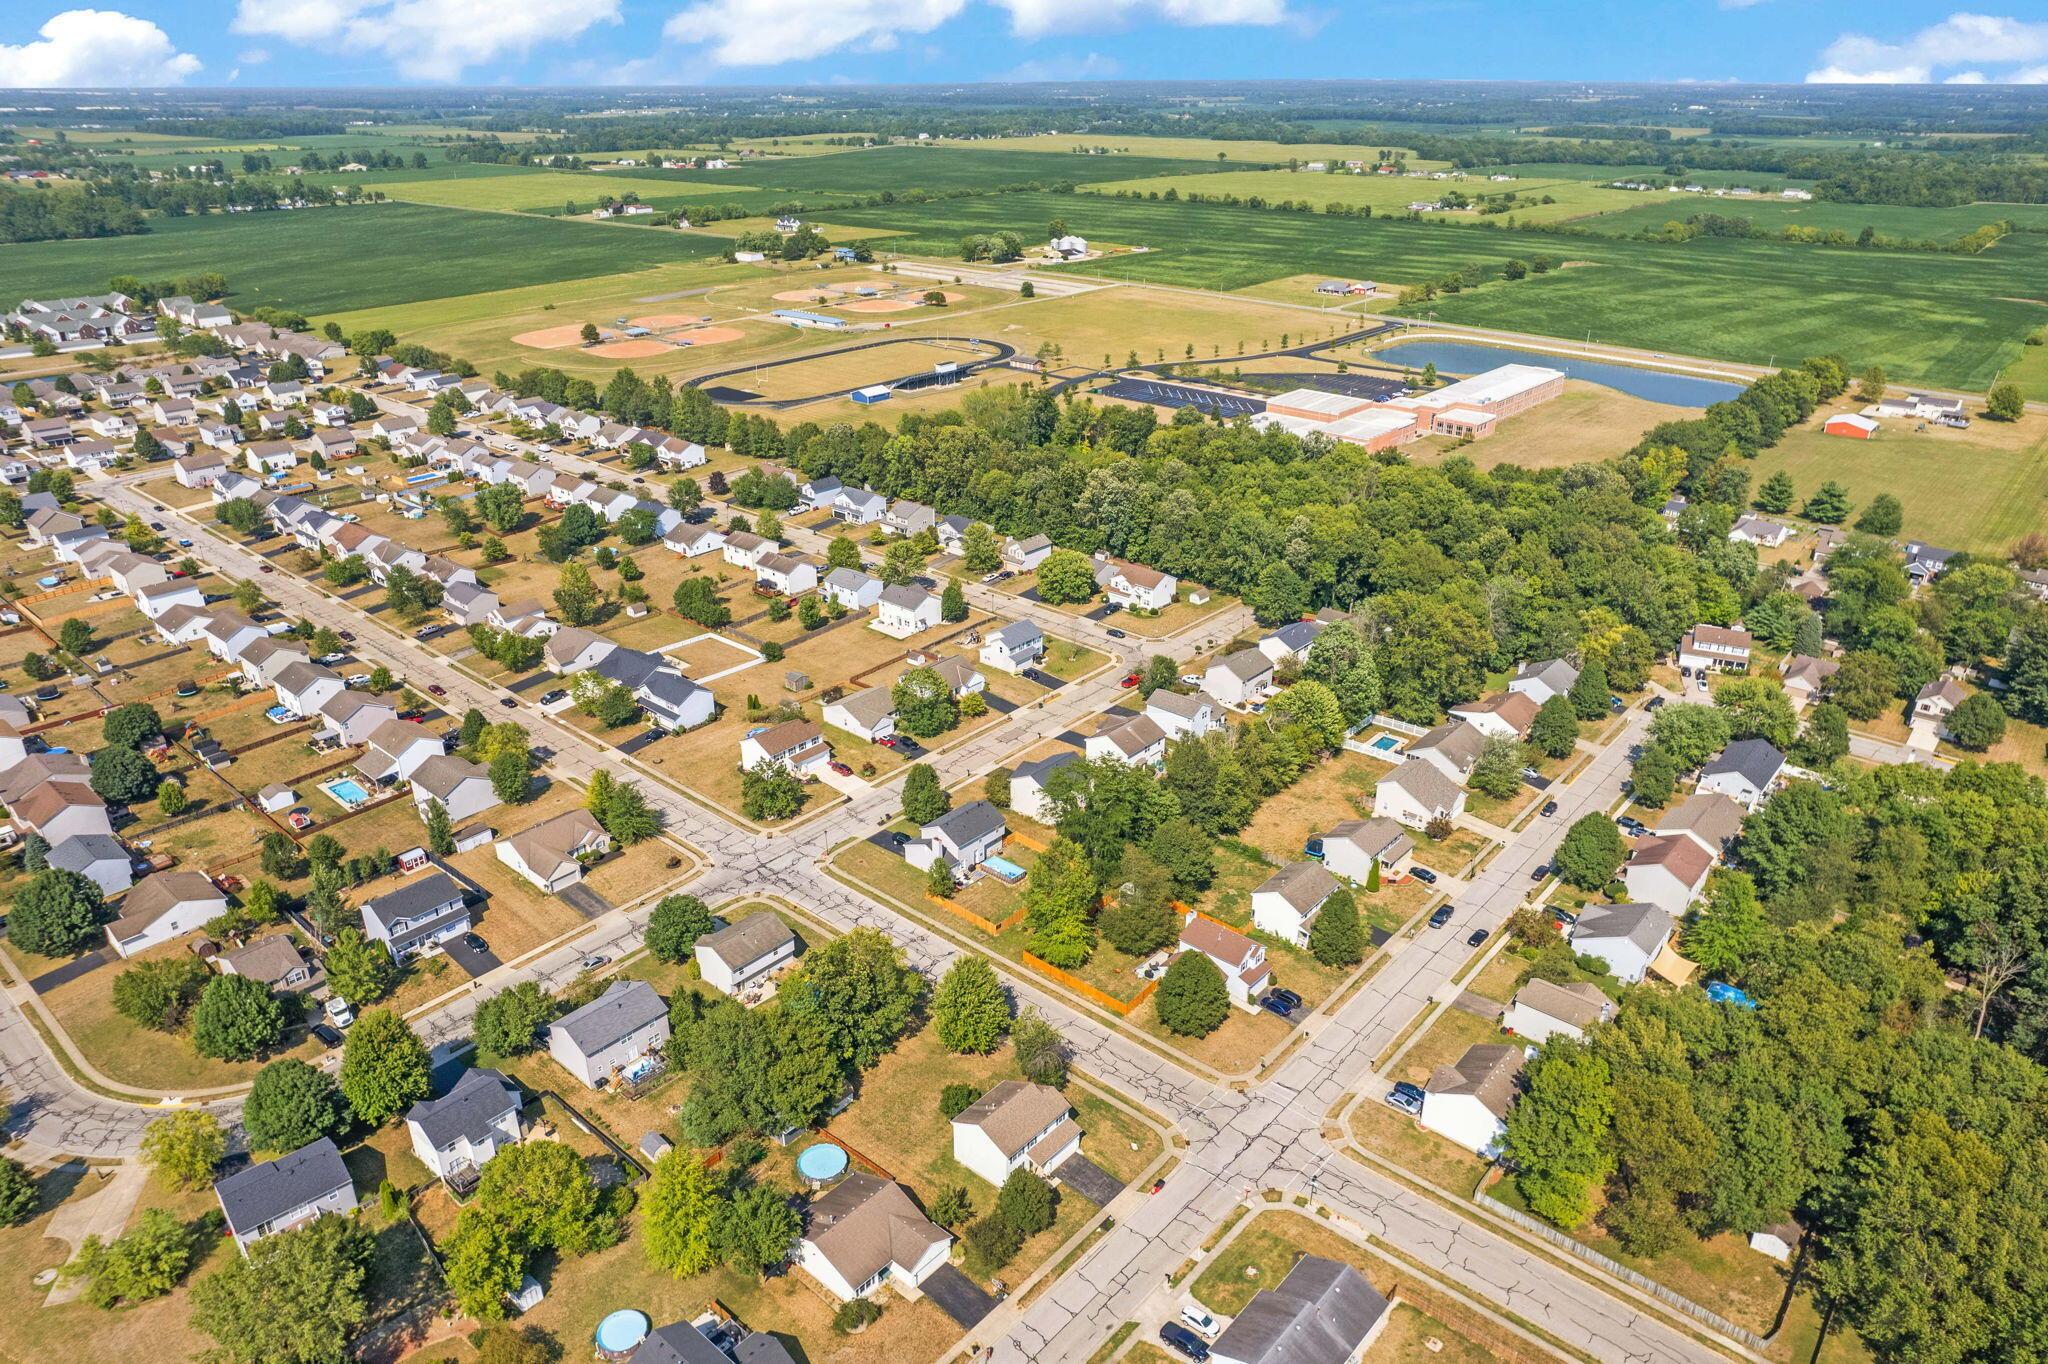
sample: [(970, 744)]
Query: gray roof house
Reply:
[(99, 858), (1323, 1312), (625, 1023), (279, 1195), (1627, 937), (965, 837), (458, 1133), (740, 953), (418, 917), (1543, 679), (1744, 771)]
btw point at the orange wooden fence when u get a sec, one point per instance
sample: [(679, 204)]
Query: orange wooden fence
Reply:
[(1089, 992)]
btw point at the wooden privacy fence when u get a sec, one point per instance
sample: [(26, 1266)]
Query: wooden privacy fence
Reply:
[(980, 921), (1120, 1007)]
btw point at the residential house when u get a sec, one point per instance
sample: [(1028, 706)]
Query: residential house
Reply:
[(1291, 640), (1938, 699), (1540, 681), (1666, 870), (1286, 903), (798, 745), (905, 517), (790, 574), (61, 810), (415, 919), (303, 687), (693, 540), (1806, 677), (676, 455), (1015, 648), (1417, 793), (468, 603), (851, 588), (355, 715), (397, 748), (1707, 818), (391, 426), (1452, 748), (153, 601), (1746, 772), (159, 908), (551, 854), (1022, 556), (868, 714), (1626, 937), (612, 1033), (281, 1195), (901, 612), (1134, 586), (964, 837), (819, 494), (1352, 848), (1826, 541), (952, 533), (526, 618), (1323, 1312), (227, 632), (1016, 1125), (1241, 679), (1182, 717), (669, 699), (275, 961), (1716, 648), (741, 953), (457, 1134), (333, 442), (269, 457), (866, 1232), (1506, 714), (1240, 958), (1469, 1102), (1780, 1240), (859, 506), (1136, 741), (99, 858), (460, 787), (1760, 531), (1542, 1009), (573, 649), (1027, 784), (199, 471)]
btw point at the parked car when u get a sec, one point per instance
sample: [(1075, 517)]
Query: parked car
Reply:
[(1406, 1097), (1130, 680), (1313, 850), (1616, 704), (1292, 999), (1476, 937), (1183, 1342), (348, 635), (549, 698), (324, 1035), (1424, 875), (426, 632), (841, 768), (989, 578), (1277, 1006), (596, 963), (436, 689), (1441, 917), (1656, 703), (1191, 679), (1549, 808), (329, 660), (1631, 826), (1196, 1317), (887, 741), (338, 1012), (1542, 870), (357, 680), (265, 568), (507, 702), (475, 943)]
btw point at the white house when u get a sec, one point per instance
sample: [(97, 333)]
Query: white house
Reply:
[(1017, 647), (1542, 1009), (158, 598), (1352, 848), (851, 588), (457, 1134), (1134, 585), (460, 787), (1239, 679), (1182, 717), (1287, 902), (965, 837), (99, 858), (397, 749), (551, 854), (1452, 748), (159, 908), (1017, 1125), (1666, 870), (1291, 640), (1135, 741), (1022, 556), (1507, 714), (901, 612), (1323, 1312), (1627, 937), (1711, 820), (790, 574), (1414, 794), (1027, 784), (1469, 1102), (868, 714), (1241, 958), (1760, 531), (741, 953), (1716, 648), (1541, 680), (283, 1194), (416, 918), (692, 540), (609, 1035), (355, 715), (798, 745), (1746, 772), (867, 1232)]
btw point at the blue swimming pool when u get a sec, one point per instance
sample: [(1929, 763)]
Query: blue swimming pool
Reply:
[(1004, 868), (1386, 743), (347, 790)]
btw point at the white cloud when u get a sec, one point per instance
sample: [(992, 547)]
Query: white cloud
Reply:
[(1966, 78), (1036, 18), (738, 33), (95, 47), (1963, 40), (1092, 66), (428, 39)]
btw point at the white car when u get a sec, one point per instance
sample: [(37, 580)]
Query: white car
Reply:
[(1197, 1317), (357, 680)]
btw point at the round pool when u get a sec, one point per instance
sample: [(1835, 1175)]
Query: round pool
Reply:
[(621, 1333), (821, 1162)]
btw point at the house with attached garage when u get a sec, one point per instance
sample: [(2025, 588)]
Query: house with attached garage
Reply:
[(691, 541), (459, 786), (551, 854), (415, 919), (573, 649), (227, 632), (1134, 586), (1452, 748), (1760, 531), (334, 442), (1666, 870), (1015, 648), (605, 1037), (859, 506), (744, 549), (1715, 648), (1291, 640), (270, 457), (1323, 1312), (1286, 903), (457, 1134), (1711, 820), (391, 426), (952, 533), (280, 1195), (154, 601), (1746, 772), (181, 624), (1027, 784), (1938, 699), (159, 908), (99, 858), (869, 714), (819, 494), (1626, 937), (1540, 681), (397, 748), (851, 588), (865, 1233), (675, 454), (303, 687), (468, 603), (670, 700), (1017, 1125), (1352, 848), (798, 745), (790, 574), (132, 573), (901, 612), (275, 961), (905, 517), (1806, 677), (1506, 714), (1240, 679), (1240, 958), (1542, 1009), (355, 715), (1182, 717), (1134, 741), (964, 838), (1469, 1102), (527, 619), (737, 955), (1414, 794), (1022, 556), (61, 810), (961, 677)]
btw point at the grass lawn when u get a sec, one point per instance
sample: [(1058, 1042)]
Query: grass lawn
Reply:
[(1408, 1144), (1588, 421), (1393, 193), (1444, 1042)]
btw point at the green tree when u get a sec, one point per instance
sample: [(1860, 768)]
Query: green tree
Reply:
[(953, 602), (1498, 771), (970, 1008), (131, 726), (1192, 998), (1066, 576), (1729, 930), (18, 1194), (75, 637), (770, 791), (860, 990), (384, 1069), (1058, 899), (1335, 938), (1280, 595), (924, 704), (1775, 496), (1757, 708), (1864, 685), (1188, 853), (1870, 387), (290, 1105), (1591, 853), (756, 1229), (122, 776), (1139, 917), (159, 992), (696, 599), (509, 1023), (674, 927), (1691, 734), (509, 778), (575, 596), (924, 799), (294, 1298), (1883, 516), (1314, 707), (171, 798), (359, 969), (236, 1019), (1028, 1203), (484, 1260), (502, 505), (2006, 403), (678, 1208), (1557, 1131), (1654, 778), (979, 550), (1825, 739), (146, 1262), (185, 1147), (1978, 723), (1555, 730), (1829, 504)]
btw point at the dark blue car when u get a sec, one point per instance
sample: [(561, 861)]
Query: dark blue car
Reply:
[(1183, 1342)]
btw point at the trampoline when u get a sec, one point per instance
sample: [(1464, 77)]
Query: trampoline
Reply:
[(619, 1334), (821, 1162)]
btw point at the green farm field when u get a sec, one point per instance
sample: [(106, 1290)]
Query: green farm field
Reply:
[(900, 169), (549, 191), (1949, 320), (1125, 151), (334, 260), (1389, 193), (1976, 490), (1914, 224)]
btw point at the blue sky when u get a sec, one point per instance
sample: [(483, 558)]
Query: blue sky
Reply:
[(697, 42)]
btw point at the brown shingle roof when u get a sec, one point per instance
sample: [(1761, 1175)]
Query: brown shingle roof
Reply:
[(1485, 1072), (1014, 1113)]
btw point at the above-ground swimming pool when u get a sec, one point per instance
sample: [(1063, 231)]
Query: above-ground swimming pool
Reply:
[(619, 1334), (347, 791), (821, 1162), (1004, 868)]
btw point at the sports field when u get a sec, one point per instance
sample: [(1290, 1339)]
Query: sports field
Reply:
[(336, 259), (1931, 317), (1391, 193)]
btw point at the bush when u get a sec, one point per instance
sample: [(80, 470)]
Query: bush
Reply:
[(1027, 1203), (236, 1019), (956, 1099), (991, 1243), (1192, 999), (855, 1316)]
